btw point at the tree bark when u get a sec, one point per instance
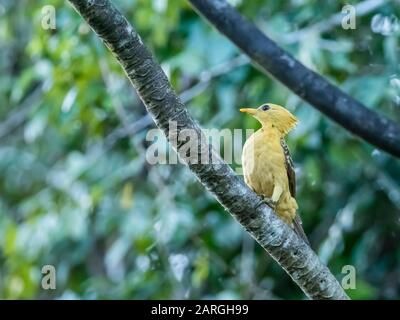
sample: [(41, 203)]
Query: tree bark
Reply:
[(146, 75)]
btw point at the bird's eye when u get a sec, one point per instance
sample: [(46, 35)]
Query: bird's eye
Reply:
[(265, 107)]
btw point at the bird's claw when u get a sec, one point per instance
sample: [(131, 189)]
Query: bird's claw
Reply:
[(271, 203)]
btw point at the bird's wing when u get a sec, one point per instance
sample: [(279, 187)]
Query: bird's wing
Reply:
[(289, 168), (297, 224)]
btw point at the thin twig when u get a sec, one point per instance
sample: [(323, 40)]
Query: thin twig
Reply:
[(20, 115)]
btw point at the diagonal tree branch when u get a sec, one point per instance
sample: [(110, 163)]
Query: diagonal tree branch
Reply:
[(299, 261), (310, 86)]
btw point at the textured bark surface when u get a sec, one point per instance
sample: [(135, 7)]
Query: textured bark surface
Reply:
[(299, 261), (336, 104)]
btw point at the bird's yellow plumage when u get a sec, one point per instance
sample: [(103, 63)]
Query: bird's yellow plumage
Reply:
[(267, 165)]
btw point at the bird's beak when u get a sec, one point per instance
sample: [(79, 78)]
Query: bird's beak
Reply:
[(249, 110)]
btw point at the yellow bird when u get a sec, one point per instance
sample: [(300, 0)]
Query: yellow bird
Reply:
[(267, 163)]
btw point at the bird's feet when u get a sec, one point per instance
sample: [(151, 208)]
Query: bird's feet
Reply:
[(271, 203)]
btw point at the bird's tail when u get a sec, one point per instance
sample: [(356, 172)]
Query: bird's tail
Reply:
[(298, 228)]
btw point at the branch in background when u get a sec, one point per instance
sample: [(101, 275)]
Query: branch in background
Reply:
[(146, 75), (310, 86), (19, 117), (207, 75), (362, 9)]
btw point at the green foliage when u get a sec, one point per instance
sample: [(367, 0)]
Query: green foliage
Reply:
[(79, 196)]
